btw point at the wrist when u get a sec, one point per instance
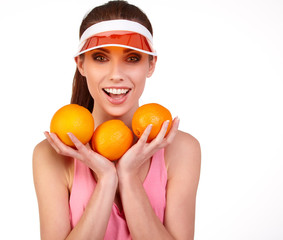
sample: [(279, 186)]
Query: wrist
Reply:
[(128, 178), (108, 179)]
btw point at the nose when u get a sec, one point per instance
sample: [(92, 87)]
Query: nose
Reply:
[(116, 71)]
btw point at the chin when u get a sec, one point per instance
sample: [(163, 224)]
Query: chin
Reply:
[(121, 111), (117, 111)]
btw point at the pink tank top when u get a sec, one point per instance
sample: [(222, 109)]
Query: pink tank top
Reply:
[(84, 184)]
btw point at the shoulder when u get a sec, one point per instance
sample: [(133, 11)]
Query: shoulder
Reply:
[(44, 154), (183, 154), (48, 163), (43, 149)]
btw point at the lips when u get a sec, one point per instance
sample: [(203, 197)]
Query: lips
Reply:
[(116, 95)]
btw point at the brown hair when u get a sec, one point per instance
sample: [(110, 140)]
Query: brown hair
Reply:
[(109, 11)]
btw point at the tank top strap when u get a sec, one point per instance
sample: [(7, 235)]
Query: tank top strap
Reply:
[(155, 184), (157, 170), (82, 189)]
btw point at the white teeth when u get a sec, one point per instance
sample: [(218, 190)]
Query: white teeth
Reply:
[(116, 91)]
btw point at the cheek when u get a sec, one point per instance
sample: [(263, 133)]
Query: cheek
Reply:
[(91, 88), (92, 80), (140, 74), (139, 78)]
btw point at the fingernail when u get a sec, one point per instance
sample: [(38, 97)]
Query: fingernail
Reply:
[(178, 120), (51, 135), (166, 123), (149, 127)]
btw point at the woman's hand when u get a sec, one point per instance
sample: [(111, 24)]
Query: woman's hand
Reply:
[(99, 164), (142, 151), (130, 162)]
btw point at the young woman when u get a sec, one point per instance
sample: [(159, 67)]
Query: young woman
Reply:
[(147, 194)]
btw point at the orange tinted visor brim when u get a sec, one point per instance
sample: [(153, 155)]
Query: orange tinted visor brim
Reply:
[(130, 40)]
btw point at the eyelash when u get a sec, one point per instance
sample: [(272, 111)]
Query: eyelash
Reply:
[(134, 58), (102, 58), (99, 57)]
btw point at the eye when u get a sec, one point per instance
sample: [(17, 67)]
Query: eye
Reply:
[(133, 58), (99, 57)]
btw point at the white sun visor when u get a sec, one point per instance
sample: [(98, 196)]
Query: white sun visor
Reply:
[(119, 33)]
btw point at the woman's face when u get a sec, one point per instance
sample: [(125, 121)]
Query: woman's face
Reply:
[(116, 78)]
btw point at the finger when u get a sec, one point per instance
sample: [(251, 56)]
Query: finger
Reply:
[(159, 141), (144, 136), (173, 131), (63, 149), (160, 136), (84, 151), (51, 142), (79, 145)]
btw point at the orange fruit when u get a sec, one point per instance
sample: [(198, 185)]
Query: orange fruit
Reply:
[(112, 139), (75, 119), (151, 113)]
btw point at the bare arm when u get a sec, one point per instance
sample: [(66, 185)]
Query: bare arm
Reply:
[(51, 184), (142, 221), (184, 159), (183, 155)]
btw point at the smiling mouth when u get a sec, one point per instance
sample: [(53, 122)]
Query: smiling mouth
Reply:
[(116, 93)]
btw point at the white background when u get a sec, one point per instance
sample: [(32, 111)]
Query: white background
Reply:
[(219, 70)]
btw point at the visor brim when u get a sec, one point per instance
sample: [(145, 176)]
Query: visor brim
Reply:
[(123, 39)]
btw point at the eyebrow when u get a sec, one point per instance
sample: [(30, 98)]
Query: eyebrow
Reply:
[(103, 49), (129, 50)]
